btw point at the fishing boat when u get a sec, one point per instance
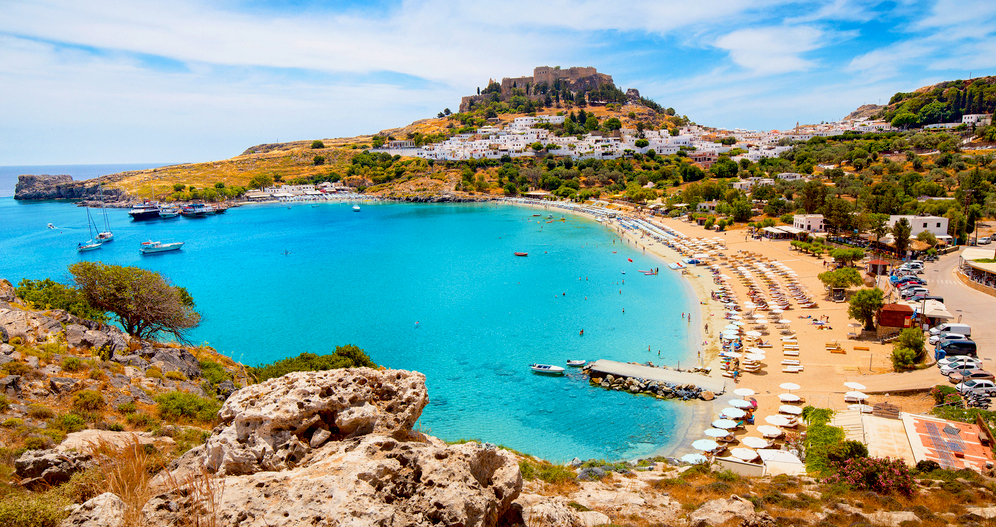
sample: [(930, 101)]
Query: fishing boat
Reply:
[(575, 363), (169, 212), (145, 210), (106, 235), (547, 369), (197, 210), (522, 254), (91, 244), (159, 247)]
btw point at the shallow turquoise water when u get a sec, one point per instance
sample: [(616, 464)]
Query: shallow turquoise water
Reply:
[(433, 288)]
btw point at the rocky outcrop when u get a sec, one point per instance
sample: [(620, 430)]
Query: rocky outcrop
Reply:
[(37, 187), (106, 510), (45, 468), (310, 447), (7, 291), (718, 512)]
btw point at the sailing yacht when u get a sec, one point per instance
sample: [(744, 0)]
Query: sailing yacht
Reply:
[(106, 235), (91, 244)]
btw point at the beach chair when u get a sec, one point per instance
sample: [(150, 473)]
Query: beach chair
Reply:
[(790, 362), (790, 352)]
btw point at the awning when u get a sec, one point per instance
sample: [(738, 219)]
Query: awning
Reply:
[(773, 230), (791, 230), (935, 309)]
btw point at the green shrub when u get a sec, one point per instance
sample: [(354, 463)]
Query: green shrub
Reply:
[(154, 373), (316, 144), (176, 405), (175, 376), (12, 422), (348, 356), (88, 401), (880, 475), (33, 510), (116, 427), (926, 466), (15, 368), (68, 423), (73, 364), (40, 411), (528, 470), (941, 391), (819, 439), (37, 442), (4, 403), (903, 358), (846, 450), (141, 420), (47, 294), (727, 476), (127, 408), (214, 372), (816, 416)]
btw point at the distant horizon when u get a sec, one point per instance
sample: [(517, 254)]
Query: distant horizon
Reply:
[(190, 79)]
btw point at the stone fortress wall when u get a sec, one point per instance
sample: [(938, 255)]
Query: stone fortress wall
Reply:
[(576, 78)]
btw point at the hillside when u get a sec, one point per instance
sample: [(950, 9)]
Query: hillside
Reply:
[(944, 102)]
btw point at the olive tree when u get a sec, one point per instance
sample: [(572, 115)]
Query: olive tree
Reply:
[(145, 304), (864, 305)]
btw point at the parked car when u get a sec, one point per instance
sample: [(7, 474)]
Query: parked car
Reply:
[(967, 375), (958, 347), (913, 291), (958, 366), (984, 240), (908, 280), (959, 359), (952, 327), (934, 339), (978, 386)]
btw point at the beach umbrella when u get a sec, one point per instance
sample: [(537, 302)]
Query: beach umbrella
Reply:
[(734, 315), (725, 424), (734, 413), (755, 442), (739, 403), (731, 327), (731, 354), (716, 433), (745, 454), (738, 323), (753, 333), (793, 410), (759, 316), (769, 431), (784, 321), (694, 459), (777, 311), (855, 395), (789, 397), (776, 420), (761, 322), (728, 336), (744, 392), (755, 350), (706, 445), (754, 356), (854, 385), (856, 324)]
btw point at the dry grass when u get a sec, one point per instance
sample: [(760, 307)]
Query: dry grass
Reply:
[(127, 474), (202, 494)]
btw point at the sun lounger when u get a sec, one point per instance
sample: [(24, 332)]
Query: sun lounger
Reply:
[(790, 352), (790, 362), (792, 369)]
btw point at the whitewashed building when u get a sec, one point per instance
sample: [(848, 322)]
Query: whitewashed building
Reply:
[(809, 222), (936, 225)]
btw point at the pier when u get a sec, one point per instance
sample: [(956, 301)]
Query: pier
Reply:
[(650, 373)]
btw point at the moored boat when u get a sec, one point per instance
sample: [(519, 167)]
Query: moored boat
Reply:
[(356, 208), (522, 254), (575, 363), (547, 369), (159, 247), (88, 246), (169, 212), (196, 210), (145, 210)]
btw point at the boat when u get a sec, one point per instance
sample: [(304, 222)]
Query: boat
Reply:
[(91, 244), (50, 226), (106, 235), (575, 363), (356, 208), (145, 210), (169, 212), (534, 215), (197, 210), (522, 254), (159, 247), (547, 369)]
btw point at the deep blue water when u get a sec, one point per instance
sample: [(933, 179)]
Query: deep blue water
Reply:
[(432, 288), (8, 174)]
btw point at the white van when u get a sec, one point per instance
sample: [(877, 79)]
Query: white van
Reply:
[(951, 327)]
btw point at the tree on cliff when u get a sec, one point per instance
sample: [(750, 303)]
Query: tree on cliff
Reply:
[(145, 303)]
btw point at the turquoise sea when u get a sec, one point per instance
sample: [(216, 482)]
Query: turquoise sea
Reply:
[(432, 288)]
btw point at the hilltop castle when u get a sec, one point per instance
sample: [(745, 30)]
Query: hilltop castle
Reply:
[(544, 80)]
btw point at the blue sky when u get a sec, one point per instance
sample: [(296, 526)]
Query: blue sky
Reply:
[(119, 81)]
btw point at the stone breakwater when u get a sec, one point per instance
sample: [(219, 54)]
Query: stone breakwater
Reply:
[(657, 389)]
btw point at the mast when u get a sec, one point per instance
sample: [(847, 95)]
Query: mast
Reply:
[(107, 225)]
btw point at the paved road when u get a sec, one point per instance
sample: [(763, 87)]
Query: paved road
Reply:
[(974, 308)]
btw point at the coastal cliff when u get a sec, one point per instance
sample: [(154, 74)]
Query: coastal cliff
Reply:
[(44, 187)]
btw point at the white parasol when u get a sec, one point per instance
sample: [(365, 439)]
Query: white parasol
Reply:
[(738, 323), (759, 316), (754, 356), (755, 350), (784, 321), (731, 354), (769, 431), (730, 336), (694, 459), (777, 311), (739, 403), (789, 386), (734, 413), (716, 433), (731, 327), (744, 392), (793, 410), (854, 385), (755, 442), (789, 398), (745, 454), (855, 395), (734, 316), (776, 420), (753, 333), (725, 424), (706, 445)]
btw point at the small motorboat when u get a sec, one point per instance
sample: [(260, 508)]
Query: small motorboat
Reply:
[(630, 259), (624, 272), (356, 208), (169, 212), (522, 254), (547, 369), (50, 226), (159, 247), (575, 363)]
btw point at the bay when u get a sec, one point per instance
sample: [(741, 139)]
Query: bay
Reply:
[(432, 288)]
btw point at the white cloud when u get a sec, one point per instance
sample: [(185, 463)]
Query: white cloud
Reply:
[(772, 50)]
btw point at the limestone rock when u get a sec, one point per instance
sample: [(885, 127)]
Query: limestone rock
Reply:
[(106, 510), (268, 426), (987, 513), (707, 396), (7, 291), (44, 468), (85, 440), (45, 186), (62, 384), (889, 519), (10, 385), (368, 480), (717, 512), (176, 359)]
